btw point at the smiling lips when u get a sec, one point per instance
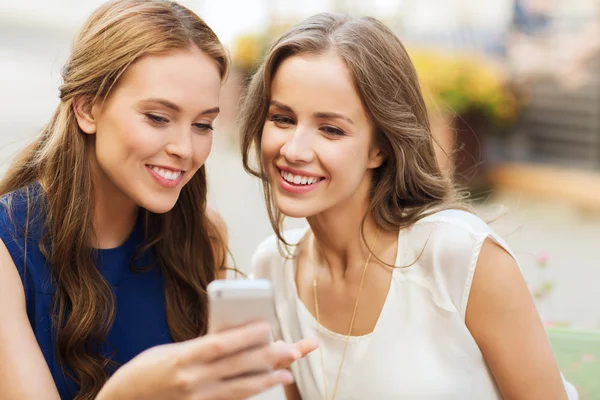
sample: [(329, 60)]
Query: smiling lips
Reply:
[(165, 177), (294, 181)]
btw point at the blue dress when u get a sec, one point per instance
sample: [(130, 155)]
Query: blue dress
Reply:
[(140, 321)]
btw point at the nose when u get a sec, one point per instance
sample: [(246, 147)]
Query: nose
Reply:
[(298, 147), (180, 143)]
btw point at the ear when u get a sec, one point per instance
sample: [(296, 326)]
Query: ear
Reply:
[(376, 157), (85, 114)]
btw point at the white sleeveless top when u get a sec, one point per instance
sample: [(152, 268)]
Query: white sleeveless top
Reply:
[(420, 347)]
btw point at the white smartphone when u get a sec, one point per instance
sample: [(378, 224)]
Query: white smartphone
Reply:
[(237, 302)]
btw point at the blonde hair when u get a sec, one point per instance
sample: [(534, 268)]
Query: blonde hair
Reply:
[(185, 242), (409, 185)]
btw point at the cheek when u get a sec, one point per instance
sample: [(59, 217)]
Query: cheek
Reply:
[(202, 145), (270, 144), (122, 138), (343, 161)]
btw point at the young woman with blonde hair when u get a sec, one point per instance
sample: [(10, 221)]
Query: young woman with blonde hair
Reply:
[(410, 295), (107, 245)]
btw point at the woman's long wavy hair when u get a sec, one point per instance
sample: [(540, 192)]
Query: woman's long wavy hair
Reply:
[(186, 243), (409, 185)]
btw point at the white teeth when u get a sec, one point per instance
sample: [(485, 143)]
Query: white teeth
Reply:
[(167, 174), (298, 179)]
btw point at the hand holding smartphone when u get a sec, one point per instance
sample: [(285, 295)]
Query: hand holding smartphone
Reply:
[(233, 303)]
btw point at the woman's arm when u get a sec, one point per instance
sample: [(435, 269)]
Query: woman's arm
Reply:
[(24, 373), (503, 319), (215, 366)]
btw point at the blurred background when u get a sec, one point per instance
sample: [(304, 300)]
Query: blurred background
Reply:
[(513, 88)]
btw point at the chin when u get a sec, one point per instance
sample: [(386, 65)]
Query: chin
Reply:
[(158, 205), (295, 209)]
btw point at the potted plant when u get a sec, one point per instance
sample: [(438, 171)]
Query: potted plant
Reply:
[(469, 97)]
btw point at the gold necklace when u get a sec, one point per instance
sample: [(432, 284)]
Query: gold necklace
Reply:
[(362, 278)]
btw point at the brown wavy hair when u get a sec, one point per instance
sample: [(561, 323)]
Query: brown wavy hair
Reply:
[(187, 245), (409, 185)]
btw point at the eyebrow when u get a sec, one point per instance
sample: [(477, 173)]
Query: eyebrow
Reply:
[(332, 115), (175, 107), (281, 106), (318, 114)]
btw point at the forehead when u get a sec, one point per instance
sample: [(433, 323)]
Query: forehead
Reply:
[(189, 78), (317, 82)]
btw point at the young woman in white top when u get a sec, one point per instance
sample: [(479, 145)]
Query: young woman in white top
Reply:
[(409, 297)]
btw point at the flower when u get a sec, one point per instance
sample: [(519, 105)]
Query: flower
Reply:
[(542, 259), (545, 287), (464, 83), (247, 51)]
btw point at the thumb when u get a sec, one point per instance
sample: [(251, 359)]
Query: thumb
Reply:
[(306, 346)]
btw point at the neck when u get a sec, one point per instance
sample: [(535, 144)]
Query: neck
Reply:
[(339, 244), (115, 214)]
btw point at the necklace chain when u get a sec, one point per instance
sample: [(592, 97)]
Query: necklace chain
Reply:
[(316, 299)]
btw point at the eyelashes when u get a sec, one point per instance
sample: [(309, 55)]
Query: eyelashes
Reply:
[(206, 127), (332, 131), (158, 120), (283, 121)]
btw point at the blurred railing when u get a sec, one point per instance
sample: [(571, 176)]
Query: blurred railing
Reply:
[(561, 125)]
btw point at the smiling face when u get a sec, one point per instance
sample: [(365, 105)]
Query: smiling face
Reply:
[(317, 139), (154, 131)]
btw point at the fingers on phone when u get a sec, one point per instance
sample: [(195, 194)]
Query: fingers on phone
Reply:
[(244, 387), (254, 361), (215, 346)]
